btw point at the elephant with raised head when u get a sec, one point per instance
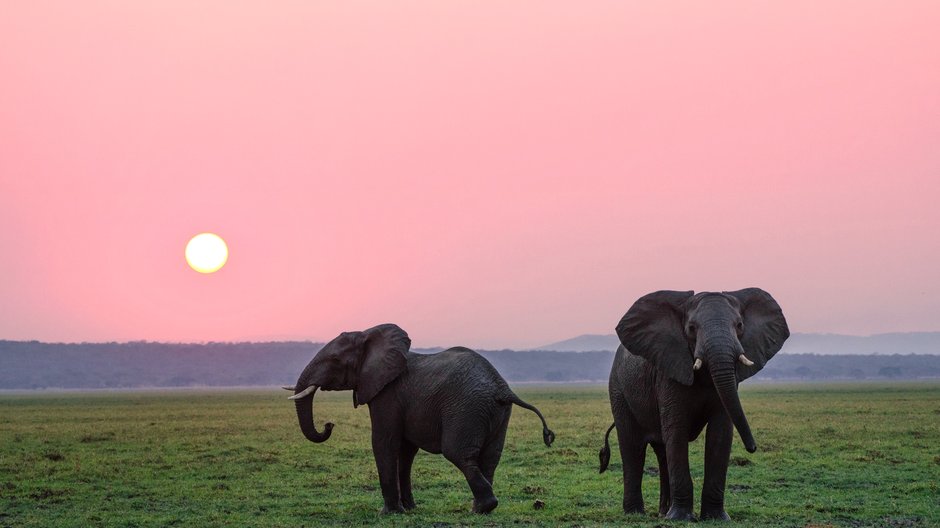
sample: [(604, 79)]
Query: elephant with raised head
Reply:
[(677, 370), (453, 402)]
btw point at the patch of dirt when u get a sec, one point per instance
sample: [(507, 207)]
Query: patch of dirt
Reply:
[(47, 494), (902, 522), (873, 454), (565, 452), (92, 438)]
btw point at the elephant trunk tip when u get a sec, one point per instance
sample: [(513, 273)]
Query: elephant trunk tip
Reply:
[(319, 437), (744, 429), (748, 439), (304, 404)]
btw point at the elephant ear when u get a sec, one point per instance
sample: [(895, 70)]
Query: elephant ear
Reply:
[(765, 329), (383, 348), (653, 328)]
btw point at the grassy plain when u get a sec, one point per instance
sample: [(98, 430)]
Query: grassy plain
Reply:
[(837, 454)]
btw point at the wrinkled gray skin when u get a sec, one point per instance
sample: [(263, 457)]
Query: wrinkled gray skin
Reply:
[(453, 402), (659, 399)]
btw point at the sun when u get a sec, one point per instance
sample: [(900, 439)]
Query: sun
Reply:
[(206, 253)]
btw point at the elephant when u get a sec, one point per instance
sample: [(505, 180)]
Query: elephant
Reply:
[(677, 369), (453, 402)]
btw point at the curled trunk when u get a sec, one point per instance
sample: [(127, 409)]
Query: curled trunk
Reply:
[(305, 417)]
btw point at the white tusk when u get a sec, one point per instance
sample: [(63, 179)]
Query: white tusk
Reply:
[(698, 364), (306, 392), (290, 388), (747, 362)]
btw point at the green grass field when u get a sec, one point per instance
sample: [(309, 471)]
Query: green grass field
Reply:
[(842, 455)]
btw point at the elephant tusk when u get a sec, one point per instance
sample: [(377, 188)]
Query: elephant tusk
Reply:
[(698, 364), (747, 362), (290, 388), (306, 392)]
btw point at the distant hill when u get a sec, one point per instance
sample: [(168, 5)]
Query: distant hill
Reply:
[(35, 365), (821, 344), (584, 343)]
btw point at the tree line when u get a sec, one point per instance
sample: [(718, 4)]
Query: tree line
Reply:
[(37, 365)]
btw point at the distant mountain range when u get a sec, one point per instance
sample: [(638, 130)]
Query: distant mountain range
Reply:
[(821, 344)]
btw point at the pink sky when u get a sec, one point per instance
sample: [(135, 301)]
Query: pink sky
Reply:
[(493, 174)]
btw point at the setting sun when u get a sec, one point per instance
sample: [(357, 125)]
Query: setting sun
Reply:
[(206, 253)]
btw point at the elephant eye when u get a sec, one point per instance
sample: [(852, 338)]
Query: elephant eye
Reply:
[(691, 328), (740, 326)]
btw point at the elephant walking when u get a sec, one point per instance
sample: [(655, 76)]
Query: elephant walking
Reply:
[(676, 372), (453, 402)]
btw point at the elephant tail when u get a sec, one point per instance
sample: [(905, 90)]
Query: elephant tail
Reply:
[(547, 434), (605, 451)]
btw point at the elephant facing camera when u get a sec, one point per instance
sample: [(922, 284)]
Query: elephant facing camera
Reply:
[(677, 371)]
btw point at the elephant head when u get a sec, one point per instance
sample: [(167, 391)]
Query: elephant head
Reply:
[(728, 335), (363, 361)]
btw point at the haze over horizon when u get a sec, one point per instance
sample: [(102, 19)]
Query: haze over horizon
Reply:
[(495, 175), (799, 343)]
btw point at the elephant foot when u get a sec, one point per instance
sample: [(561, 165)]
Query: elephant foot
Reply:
[(714, 515), (633, 507), (680, 514), (408, 503), (486, 505), (395, 509)]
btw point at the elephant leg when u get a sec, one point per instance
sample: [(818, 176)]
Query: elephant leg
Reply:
[(386, 446), (718, 438), (405, 459), (461, 449), (493, 450), (483, 499), (676, 437), (660, 450), (632, 454)]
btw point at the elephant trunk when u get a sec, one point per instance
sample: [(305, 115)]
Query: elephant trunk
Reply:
[(722, 354), (304, 406)]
